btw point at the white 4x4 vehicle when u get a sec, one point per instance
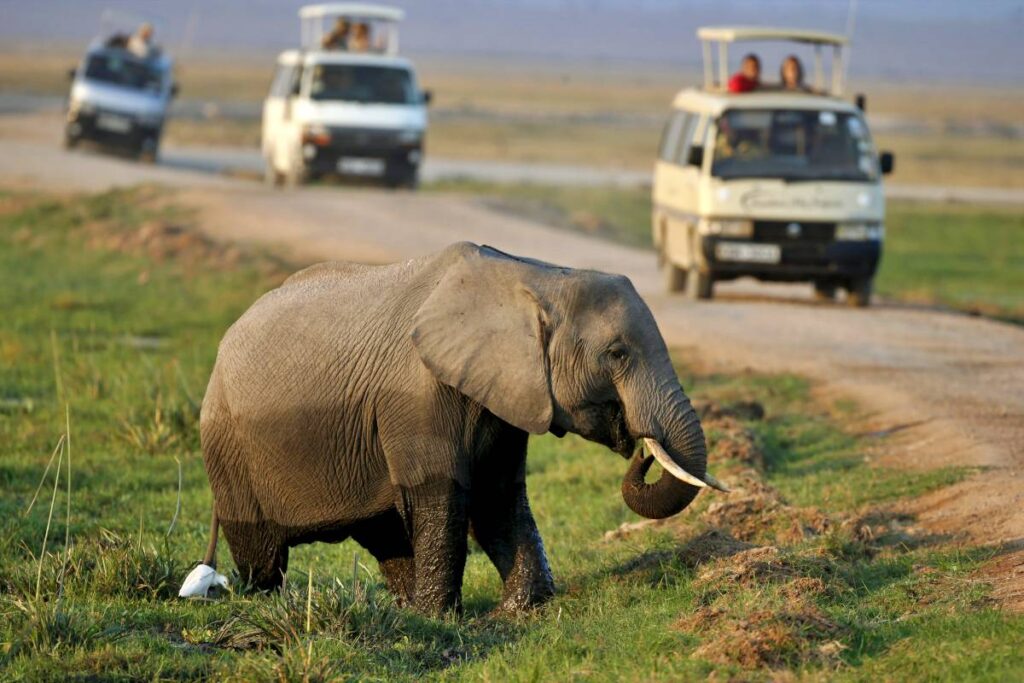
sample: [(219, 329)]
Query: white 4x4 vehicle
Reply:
[(345, 110)]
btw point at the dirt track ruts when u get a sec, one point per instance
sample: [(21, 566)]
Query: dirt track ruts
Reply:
[(949, 387)]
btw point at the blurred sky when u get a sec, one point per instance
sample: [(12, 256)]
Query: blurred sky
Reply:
[(958, 40)]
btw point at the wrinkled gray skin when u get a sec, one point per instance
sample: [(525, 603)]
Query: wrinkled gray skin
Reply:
[(392, 404)]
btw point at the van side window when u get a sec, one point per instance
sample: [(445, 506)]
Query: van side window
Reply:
[(670, 137), (282, 80), (683, 148), (693, 136), (296, 85)]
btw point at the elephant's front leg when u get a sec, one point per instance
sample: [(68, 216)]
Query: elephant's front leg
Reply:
[(503, 525), (436, 515)]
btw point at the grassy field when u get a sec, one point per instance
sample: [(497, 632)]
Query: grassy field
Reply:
[(111, 322), (966, 257), (579, 114)]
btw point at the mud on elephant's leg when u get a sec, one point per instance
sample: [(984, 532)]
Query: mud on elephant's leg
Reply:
[(385, 537), (436, 516), (503, 525)]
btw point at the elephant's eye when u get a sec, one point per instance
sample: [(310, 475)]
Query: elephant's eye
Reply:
[(618, 353)]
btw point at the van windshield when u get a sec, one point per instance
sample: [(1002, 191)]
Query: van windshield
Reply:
[(360, 83), (123, 70), (793, 145)]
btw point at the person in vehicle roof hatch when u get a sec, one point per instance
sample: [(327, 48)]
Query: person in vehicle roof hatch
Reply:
[(140, 43), (337, 39), (748, 78), (791, 75), (360, 41)]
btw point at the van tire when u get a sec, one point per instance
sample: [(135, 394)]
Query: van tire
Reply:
[(673, 277), (824, 291), (858, 293), (700, 285)]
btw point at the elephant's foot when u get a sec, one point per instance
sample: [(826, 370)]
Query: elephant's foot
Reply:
[(258, 552)]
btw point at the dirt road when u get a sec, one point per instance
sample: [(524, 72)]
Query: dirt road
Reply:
[(950, 388)]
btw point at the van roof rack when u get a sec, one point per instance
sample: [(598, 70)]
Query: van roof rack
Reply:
[(724, 35), (312, 19)]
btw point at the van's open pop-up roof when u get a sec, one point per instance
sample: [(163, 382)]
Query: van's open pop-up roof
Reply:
[(724, 35), (314, 18)]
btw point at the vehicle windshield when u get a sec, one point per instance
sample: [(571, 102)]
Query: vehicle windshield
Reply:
[(361, 83), (793, 145), (123, 70)]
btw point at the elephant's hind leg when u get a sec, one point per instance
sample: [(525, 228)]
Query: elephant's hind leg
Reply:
[(257, 545), (384, 536), (259, 553)]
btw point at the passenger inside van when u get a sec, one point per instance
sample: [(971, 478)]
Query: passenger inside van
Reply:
[(748, 78), (337, 39)]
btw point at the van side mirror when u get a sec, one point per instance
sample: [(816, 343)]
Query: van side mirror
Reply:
[(861, 100), (696, 156), (886, 162), (71, 73), (427, 96)]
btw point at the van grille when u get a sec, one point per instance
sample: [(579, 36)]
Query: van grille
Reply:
[(780, 232)]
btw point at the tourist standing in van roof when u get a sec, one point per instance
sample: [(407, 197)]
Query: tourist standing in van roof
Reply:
[(337, 39), (748, 78), (140, 43), (791, 75)]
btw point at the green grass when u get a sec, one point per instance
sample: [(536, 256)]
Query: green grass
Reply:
[(135, 335), (965, 257)]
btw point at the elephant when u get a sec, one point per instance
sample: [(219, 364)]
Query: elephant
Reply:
[(392, 405)]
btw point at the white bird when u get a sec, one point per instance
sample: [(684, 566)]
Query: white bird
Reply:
[(200, 580)]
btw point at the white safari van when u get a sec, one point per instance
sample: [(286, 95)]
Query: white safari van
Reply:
[(119, 100), (776, 184), (345, 104)]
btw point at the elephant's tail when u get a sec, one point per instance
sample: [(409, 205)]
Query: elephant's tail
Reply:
[(211, 550)]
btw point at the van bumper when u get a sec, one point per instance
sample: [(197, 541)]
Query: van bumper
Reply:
[(84, 126), (398, 158), (835, 261)]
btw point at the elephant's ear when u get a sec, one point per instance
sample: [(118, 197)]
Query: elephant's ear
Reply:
[(481, 331)]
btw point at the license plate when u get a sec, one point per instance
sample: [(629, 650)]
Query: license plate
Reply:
[(114, 123), (748, 253), (361, 166)]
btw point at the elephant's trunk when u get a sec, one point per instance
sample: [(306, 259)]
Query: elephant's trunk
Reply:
[(683, 455)]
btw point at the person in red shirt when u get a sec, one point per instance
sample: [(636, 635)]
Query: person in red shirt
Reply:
[(748, 78)]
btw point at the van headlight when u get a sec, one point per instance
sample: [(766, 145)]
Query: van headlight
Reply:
[(79, 107), (726, 227), (317, 134), (860, 231), (410, 136)]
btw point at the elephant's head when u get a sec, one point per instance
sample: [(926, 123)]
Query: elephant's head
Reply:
[(554, 349)]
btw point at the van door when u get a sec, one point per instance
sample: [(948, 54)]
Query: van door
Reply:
[(677, 181), (280, 141)]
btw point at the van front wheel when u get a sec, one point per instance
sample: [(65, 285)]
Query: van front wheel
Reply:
[(672, 276), (700, 285), (858, 293)]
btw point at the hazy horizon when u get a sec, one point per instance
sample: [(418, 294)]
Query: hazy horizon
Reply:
[(936, 40)]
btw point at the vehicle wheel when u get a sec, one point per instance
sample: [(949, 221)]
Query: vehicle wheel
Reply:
[(147, 151), (858, 294), (295, 177), (824, 291), (699, 285), (672, 276)]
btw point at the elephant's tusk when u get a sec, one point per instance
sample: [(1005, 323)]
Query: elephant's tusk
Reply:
[(678, 472)]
